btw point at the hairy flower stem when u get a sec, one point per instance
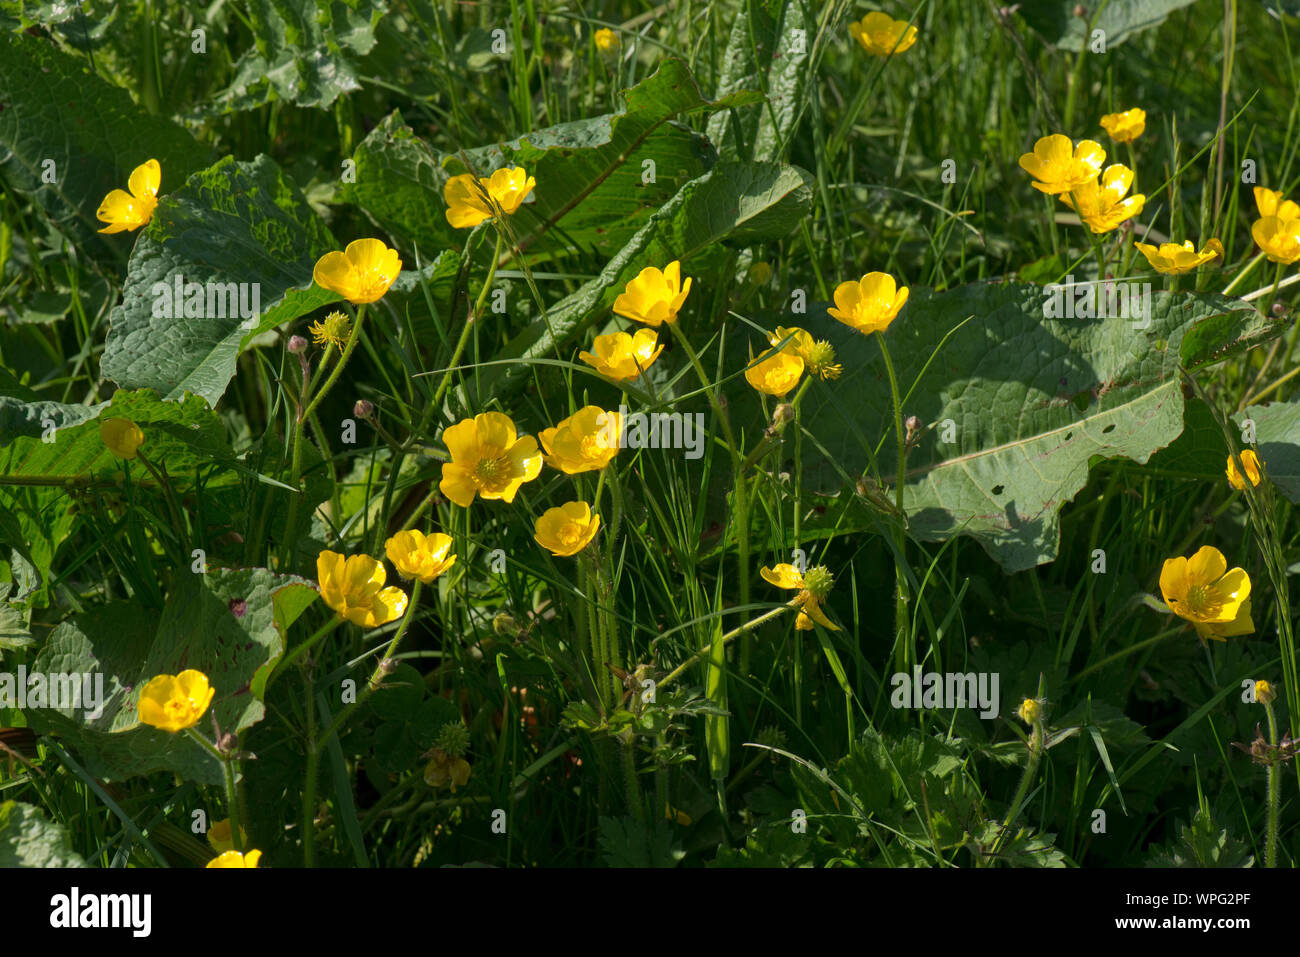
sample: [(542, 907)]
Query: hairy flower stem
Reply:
[(232, 792), (1272, 293), (377, 676), (734, 633), (1036, 737), (469, 326), (1274, 791), (313, 398), (399, 452), (309, 781), (302, 649), (631, 786), (716, 681), (904, 653)]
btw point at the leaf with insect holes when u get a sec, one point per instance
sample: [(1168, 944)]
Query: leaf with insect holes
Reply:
[(1015, 406)]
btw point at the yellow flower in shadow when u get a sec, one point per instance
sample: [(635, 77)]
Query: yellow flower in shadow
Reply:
[(566, 530), (1203, 591), (175, 702), (881, 35), (417, 555), (354, 588)]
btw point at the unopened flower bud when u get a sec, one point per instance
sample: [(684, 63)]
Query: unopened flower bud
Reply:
[(1264, 692), (388, 665), (782, 414), (506, 626), (1278, 308), (1081, 11), (297, 345), (363, 409)]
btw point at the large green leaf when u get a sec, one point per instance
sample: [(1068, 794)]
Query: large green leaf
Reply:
[(737, 203), (768, 50), (1031, 400), (92, 131), (234, 222), (181, 436), (1118, 19), (35, 518), (29, 839), (226, 623), (1277, 436), (305, 52), (590, 191)]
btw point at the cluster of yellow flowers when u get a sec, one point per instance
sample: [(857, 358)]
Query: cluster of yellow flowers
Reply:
[(490, 460), (1071, 172), (1074, 174), (355, 586)]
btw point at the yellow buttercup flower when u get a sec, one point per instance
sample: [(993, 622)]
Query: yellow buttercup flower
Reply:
[(1102, 205), (417, 555), (818, 355), (131, 211), (1254, 469), (220, 836), (1030, 710), (122, 436), (235, 859), (354, 588), (881, 35), (586, 441), (334, 330), (175, 702), (1174, 259), (801, 343), (1264, 692), (566, 530), (621, 356), (1278, 238), (1125, 127), (488, 458), (813, 589), (1269, 202), (360, 274), (445, 769), (870, 304), (606, 40), (467, 206), (1277, 231), (1059, 167), (776, 373), (1203, 591), (654, 297)]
